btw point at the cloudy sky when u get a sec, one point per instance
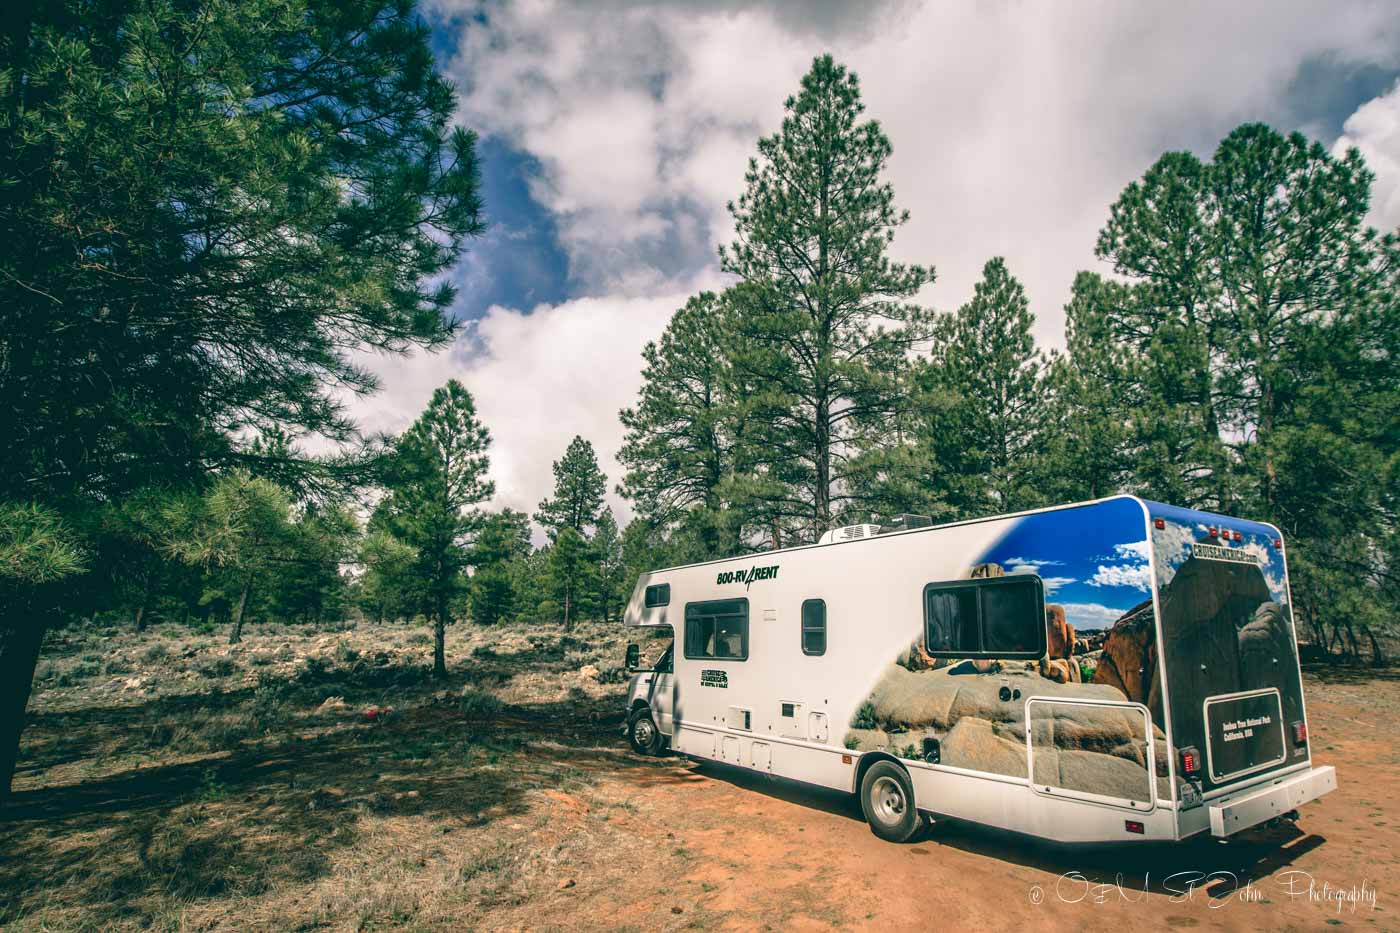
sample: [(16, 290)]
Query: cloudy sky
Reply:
[(614, 132)]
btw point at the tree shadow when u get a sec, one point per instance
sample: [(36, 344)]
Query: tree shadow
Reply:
[(276, 810)]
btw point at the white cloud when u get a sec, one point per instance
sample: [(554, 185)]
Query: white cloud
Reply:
[(1028, 565), (1375, 129), (1137, 576), (1086, 616), (1170, 547), (538, 379)]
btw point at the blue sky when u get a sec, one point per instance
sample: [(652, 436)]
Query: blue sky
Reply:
[(614, 132), (1092, 560)]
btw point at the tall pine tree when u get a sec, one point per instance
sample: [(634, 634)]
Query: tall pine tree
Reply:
[(826, 315), (438, 475)]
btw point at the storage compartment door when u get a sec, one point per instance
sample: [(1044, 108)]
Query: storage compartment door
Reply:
[(1093, 750)]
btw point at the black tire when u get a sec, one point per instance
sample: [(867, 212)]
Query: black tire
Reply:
[(646, 739), (887, 800)]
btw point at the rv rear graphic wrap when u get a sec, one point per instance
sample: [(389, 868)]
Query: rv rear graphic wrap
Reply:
[(1089, 733), (1227, 631)]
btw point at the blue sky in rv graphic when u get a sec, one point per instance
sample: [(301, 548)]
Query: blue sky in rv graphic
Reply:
[(1093, 560)]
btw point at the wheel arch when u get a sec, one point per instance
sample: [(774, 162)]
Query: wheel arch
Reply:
[(868, 759)]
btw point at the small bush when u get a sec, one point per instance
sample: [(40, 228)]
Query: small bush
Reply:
[(155, 653), (477, 704), (418, 638), (865, 717), (218, 668), (852, 742), (116, 666)]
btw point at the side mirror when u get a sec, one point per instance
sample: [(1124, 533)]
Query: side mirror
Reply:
[(634, 657)]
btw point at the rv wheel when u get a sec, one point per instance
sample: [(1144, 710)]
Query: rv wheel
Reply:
[(887, 798), (643, 734)]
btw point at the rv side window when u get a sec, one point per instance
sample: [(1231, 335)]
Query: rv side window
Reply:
[(814, 626), (658, 594), (717, 630), (996, 617)]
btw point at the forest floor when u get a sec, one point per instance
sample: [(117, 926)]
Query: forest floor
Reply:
[(169, 781)]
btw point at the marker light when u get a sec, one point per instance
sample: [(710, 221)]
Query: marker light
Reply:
[(1190, 760), (1300, 733), (1160, 524), (1237, 536), (1133, 826), (1278, 543), (1213, 532)]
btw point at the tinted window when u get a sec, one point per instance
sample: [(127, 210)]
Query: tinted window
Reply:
[(658, 595), (1009, 618), (718, 629), (814, 627), (997, 617), (951, 619)]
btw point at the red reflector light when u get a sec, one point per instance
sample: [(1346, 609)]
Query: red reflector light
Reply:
[(845, 759), (1300, 733), (1190, 760), (1278, 542), (1237, 536), (1133, 826), (1213, 532), (1160, 524)]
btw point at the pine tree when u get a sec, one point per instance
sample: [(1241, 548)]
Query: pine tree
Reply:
[(241, 529), (987, 406), (825, 314), (498, 548), (438, 475), (1083, 443), (610, 583), (578, 491), (679, 448), (575, 508)]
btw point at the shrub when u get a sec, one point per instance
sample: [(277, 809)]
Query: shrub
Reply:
[(865, 717), (154, 653), (218, 668), (478, 704)]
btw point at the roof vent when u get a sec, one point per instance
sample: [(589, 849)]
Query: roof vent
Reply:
[(849, 533)]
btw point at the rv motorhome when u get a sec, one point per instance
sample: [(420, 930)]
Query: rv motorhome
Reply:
[(1106, 671)]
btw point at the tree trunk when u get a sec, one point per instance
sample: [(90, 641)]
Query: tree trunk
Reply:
[(138, 618), (439, 640), (568, 600), (21, 634), (236, 635)]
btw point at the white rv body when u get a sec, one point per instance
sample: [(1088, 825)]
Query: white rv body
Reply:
[(1017, 744)]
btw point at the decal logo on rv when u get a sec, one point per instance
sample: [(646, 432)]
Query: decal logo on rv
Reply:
[(747, 577), (714, 679), (1228, 554)]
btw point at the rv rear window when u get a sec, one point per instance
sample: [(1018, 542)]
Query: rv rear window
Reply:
[(814, 626), (995, 617), (717, 630), (658, 594)]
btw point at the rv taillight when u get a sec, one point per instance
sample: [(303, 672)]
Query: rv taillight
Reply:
[(1160, 524), (1300, 733), (1133, 826), (1190, 760)]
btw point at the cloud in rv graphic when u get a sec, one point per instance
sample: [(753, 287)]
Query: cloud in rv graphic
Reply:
[(1094, 581)]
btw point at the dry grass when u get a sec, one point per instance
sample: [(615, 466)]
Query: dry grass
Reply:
[(170, 781)]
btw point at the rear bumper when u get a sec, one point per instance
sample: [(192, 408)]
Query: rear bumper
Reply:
[(1236, 812)]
